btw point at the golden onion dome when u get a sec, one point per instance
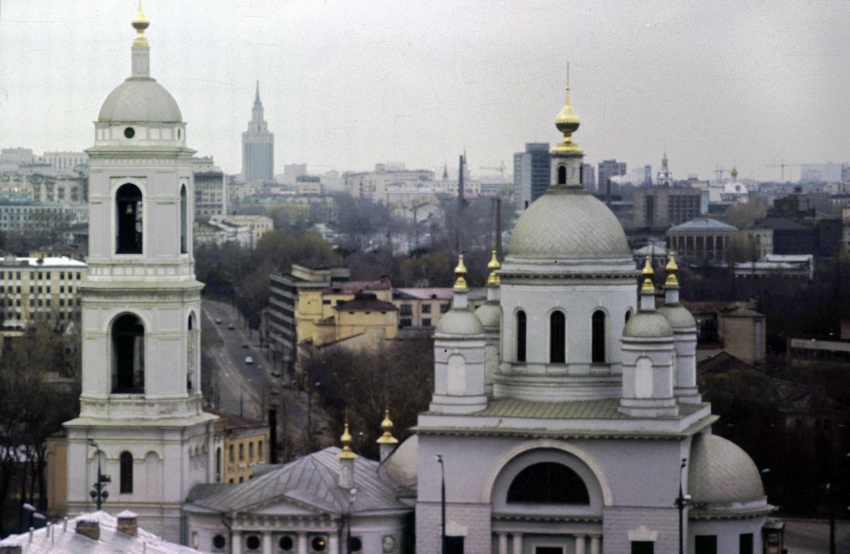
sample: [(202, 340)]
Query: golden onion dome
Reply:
[(567, 122)]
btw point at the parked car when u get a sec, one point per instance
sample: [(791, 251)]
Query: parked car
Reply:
[(230, 326), (249, 360), (245, 344), (218, 321)]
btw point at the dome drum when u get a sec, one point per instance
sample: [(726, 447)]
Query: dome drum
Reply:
[(160, 135)]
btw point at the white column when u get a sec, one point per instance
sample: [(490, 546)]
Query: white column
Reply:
[(595, 544), (503, 543), (579, 544), (302, 543), (236, 542), (267, 542), (333, 544), (517, 543)]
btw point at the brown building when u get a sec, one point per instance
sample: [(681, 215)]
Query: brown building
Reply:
[(659, 208)]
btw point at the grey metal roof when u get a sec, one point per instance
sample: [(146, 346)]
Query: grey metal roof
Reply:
[(721, 473), (703, 224), (459, 322), (490, 314), (62, 538), (312, 481), (568, 225), (591, 409), (140, 99), (678, 316), (647, 325)]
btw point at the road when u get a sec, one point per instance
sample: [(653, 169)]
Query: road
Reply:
[(250, 389), (240, 387), (812, 536)]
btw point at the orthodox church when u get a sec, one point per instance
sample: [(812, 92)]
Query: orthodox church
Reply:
[(565, 416), (141, 419)]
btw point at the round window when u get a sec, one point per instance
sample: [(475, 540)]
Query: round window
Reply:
[(356, 545), (252, 542), (318, 544), (286, 543), (129, 132), (219, 541)]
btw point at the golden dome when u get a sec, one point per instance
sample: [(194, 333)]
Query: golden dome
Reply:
[(461, 272), (567, 122), (672, 268), (140, 23), (387, 426), (647, 274), (493, 266), (345, 439)]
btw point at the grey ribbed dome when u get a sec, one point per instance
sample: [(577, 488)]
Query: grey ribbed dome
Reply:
[(678, 316), (402, 467), (567, 223), (647, 325), (140, 99), (460, 322), (489, 314), (721, 473)]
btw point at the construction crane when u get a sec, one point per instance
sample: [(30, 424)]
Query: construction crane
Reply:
[(718, 172), (782, 165)]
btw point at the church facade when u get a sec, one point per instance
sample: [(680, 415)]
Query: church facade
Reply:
[(565, 416), (141, 420)]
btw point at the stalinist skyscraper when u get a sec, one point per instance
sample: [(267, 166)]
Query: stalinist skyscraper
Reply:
[(257, 146), (141, 419)]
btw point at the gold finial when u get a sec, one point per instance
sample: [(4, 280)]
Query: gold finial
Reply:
[(567, 122), (345, 439), (647, 274), (460, 271), (387, 426), (493, 266), (140, 23), (672, 268)]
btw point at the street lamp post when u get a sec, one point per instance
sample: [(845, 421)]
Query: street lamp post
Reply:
[(682, 501), (98, 492), (439, 458)]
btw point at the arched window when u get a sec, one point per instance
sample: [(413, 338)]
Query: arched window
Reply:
[(128, 355), (557, 338), (183, 219), (628, 315), (597, 329), (562, 175), (548, 483), (126, 470), (218, 465), (191, 341), (520, 335), (128, 211)]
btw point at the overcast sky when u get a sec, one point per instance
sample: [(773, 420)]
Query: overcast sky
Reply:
[(346, 84)]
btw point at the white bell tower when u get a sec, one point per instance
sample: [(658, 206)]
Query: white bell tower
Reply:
[(141, 406)]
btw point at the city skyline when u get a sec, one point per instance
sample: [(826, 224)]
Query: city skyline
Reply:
[(348, 85)]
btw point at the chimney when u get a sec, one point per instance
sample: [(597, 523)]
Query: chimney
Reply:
[(90, 529), (10, 549), (128, 524)]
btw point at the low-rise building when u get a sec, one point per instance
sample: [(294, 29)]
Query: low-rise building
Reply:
[(241, 444), (93, 532), (39, 289)]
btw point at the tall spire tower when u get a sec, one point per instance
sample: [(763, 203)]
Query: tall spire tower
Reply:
[(141, 419), (257, 146)]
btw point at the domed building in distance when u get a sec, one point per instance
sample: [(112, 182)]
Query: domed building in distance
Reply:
[(565, 416)]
